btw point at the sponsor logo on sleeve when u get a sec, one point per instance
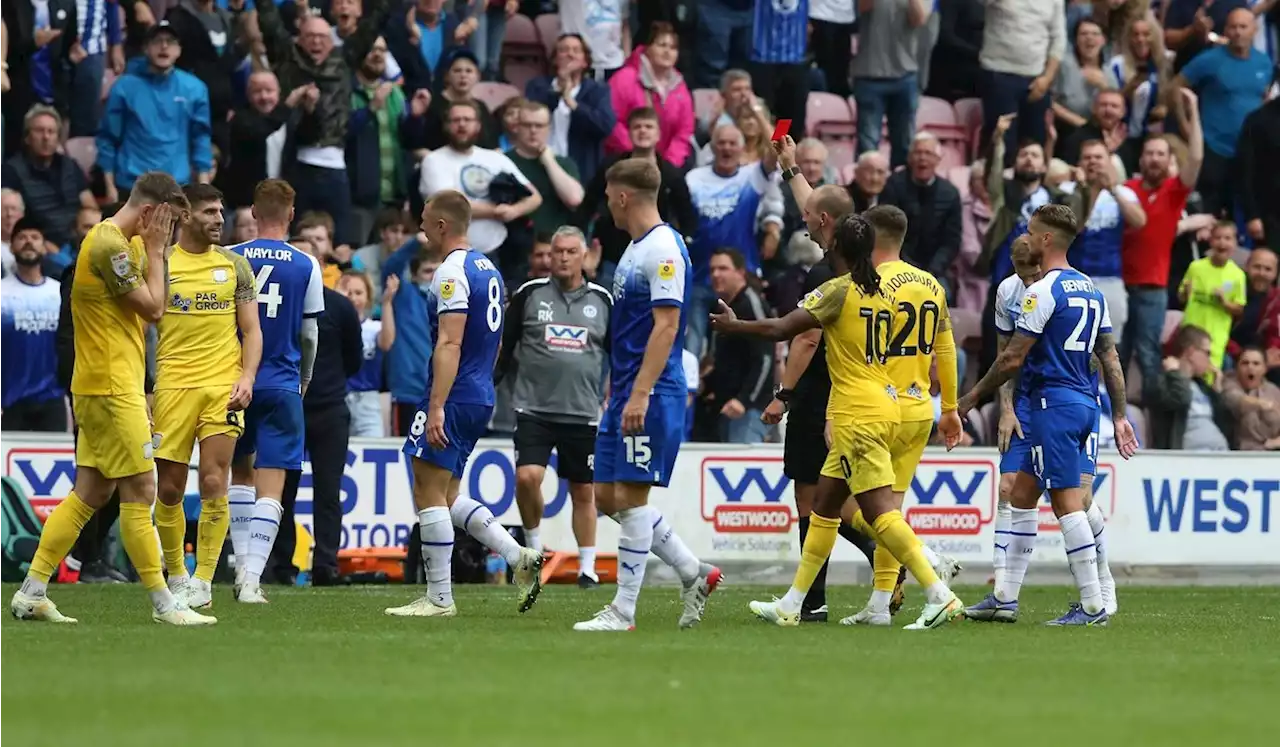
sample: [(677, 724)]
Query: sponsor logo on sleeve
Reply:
[(1029, 302), (120, 264), (447, 288), (666, 269)]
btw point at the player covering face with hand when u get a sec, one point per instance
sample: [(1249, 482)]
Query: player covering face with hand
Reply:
[(856, 310), (1063, 321)]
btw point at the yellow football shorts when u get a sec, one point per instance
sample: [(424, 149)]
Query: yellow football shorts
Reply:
[(114, 434), (908, 447), (860, 455), (186, 416)]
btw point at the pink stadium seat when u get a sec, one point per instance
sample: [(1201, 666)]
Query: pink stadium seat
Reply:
[(959, 176), (840, 154), (1172, 320), (705, 101), (967, 323), (969, 117), (523, 55), (953, 156), (987, 422), (828, 116), (548, 26), (846, 174), (932, 112), (82, 150), (495, 94)]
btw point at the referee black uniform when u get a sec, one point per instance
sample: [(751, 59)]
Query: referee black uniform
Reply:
[(801, 459), (339, 355)]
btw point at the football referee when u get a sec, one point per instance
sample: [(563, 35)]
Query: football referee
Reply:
[(805, 383), (556, 346)]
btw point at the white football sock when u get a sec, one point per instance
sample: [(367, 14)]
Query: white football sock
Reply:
[(792, 600), (241, 499), (1082, 557), (34, 587), (1000, 548), (436, 529), (262, 535), (634, 541), (880, 600), (1098, 525), (587, 562), (1023, 525), (532, 540), (474, 518), (668, 546), (163, 600)]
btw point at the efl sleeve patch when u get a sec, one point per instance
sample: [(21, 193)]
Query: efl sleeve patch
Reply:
[(1029, 303), (667, 269), (447, 289)]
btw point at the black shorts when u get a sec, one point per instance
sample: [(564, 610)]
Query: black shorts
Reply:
[(805, 449), (575, 445)]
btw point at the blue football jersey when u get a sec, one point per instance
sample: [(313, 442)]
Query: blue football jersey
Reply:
[(290, 288), (1008, 309), (653, 272), (1066, 313), (467, 282), (28, 333)]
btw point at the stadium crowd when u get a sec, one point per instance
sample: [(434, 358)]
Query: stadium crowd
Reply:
[(1158, 122)]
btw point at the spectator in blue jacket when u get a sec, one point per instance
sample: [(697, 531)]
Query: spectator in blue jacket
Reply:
[(157, 119), (408, 358), (582, 113)]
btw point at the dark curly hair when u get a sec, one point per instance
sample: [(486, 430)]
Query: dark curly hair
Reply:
[(855, 237)]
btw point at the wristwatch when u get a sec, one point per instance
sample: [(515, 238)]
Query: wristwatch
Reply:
[(790, 173), (782, 394)]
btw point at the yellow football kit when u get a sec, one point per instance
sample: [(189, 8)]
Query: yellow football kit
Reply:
[(922, 328), (107, 385), (198, 355), (863, 407)]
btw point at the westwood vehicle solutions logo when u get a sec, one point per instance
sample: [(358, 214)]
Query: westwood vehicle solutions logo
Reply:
[(952, 497), (746, 494)]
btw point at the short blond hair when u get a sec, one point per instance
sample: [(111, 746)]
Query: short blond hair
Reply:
[(638, 175), (156, 188), (273, 200), (454, 207)]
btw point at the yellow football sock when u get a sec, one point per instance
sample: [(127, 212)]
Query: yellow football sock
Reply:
[(215, 519), (894, 534), (817, 548), (884, 569), (861, 525), (139, 539), (60, 533), (171, 523)]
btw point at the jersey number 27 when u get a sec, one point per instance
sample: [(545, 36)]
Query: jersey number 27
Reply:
[(1090, 309)]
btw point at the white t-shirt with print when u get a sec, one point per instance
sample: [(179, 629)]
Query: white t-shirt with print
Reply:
[(470, 174)]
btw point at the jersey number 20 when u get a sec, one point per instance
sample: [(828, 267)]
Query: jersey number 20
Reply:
[(926, 320), (1089, 308)]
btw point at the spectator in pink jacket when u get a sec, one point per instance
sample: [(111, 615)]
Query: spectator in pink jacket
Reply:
[(971, 287), (650, 79)]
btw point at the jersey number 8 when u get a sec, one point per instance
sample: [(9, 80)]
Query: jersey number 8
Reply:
[(493, 312), (268, 294)]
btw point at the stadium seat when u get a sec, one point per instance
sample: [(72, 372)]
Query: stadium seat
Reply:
[(495, 95), (523, 55), (959, 176), (548, 26), (82, 150), (967, 324), (953, 154), (705, 101), (969, 117), (987, 422), (931, 112), (828, 116), (840, 154), (1172, 320), (846, 174)]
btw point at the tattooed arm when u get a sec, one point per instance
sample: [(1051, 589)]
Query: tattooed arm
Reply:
[(1112, 372), (1004, 369)]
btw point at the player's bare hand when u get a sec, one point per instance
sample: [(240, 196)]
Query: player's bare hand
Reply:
[(826, 434), (390, 289), (733, 409), (241, 394), (1008, 426), (951, 428), (633, 414), (435, 428), (772, 414), (1126, 440), (157, 228), (724, 319)]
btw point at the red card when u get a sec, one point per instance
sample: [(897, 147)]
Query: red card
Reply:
[(779, 132)]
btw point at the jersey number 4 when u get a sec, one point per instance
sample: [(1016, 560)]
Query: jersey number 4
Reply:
[(268, 293), (1089, 309)]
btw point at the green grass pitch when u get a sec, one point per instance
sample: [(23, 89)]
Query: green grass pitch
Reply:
[(1179, 666)]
